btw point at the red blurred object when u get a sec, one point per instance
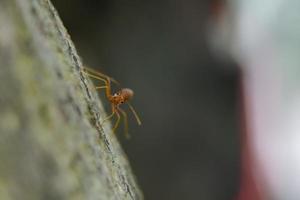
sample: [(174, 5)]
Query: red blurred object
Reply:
[(248, 188)]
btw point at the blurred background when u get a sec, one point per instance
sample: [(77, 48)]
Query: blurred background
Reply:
[(186, 95)]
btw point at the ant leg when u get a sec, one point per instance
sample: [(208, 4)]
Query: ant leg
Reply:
[(100, 87), (125, 122), (94, 76), (117, 122), (108, 117), (108, 88), (106, 81), (93, 72)]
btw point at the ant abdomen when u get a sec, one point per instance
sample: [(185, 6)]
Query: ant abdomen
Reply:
[(126, 93)]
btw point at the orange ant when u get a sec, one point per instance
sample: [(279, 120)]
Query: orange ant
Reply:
[(120, 97)]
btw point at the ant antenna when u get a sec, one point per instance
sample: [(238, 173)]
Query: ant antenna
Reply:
[(135, 114)]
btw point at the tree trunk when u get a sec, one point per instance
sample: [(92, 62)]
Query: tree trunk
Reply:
[(52, 145)]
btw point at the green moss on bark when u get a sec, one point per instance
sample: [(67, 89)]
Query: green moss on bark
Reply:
[(52, 145)]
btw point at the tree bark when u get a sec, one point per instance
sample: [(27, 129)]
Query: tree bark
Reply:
[(52, 145)]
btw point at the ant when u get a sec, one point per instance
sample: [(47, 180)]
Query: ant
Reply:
[(120, 97)]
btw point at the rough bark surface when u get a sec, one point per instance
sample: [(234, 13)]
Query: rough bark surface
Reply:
[(52, 145)]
